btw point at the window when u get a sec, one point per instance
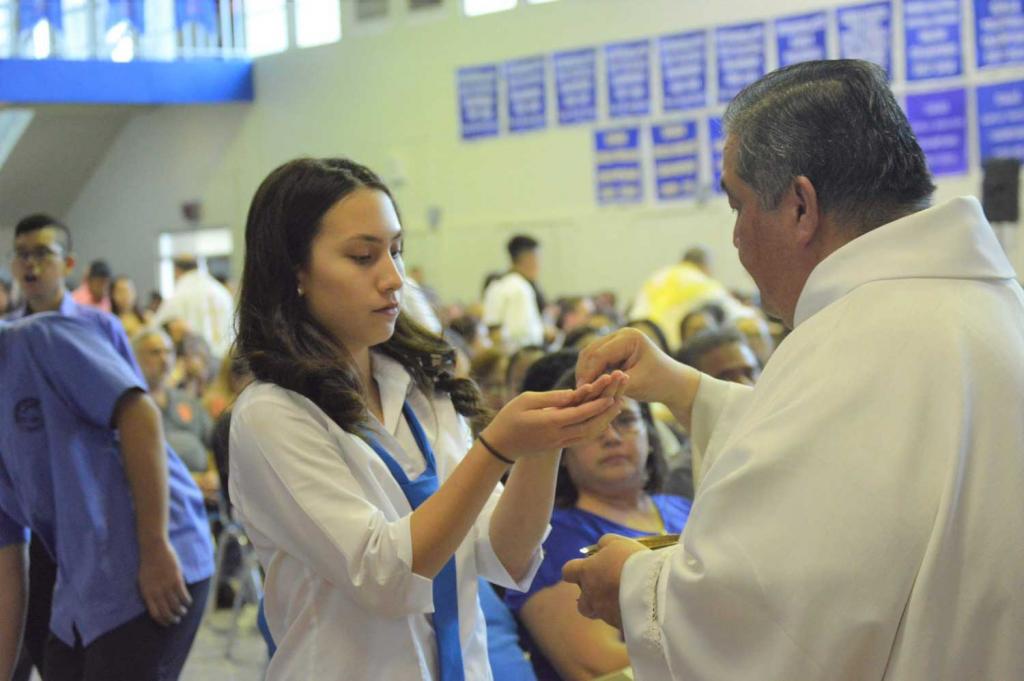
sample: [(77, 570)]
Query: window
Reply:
[(37, 29), (317, 22), (474, 8), (42, 40), (75, 35), (120, 42), (266, 27)]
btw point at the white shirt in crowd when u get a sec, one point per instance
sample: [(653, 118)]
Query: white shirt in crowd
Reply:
[(417, 305), (861, 515), (206, 305), (332, 531), (511, 303)]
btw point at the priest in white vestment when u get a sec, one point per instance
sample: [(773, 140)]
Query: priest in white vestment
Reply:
[(861, 513)]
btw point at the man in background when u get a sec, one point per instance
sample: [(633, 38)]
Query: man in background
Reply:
[(187, 426), (721, 353), (513, 304), (42, 260), (85, 469), (94, 291), (201, 301), (670, 294)]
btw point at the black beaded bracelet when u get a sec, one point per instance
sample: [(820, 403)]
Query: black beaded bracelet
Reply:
[(494, 452)]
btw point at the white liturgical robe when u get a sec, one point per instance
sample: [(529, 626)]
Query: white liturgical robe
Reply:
[(862, 512)]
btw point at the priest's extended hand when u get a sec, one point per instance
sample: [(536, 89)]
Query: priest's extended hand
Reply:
[(598, 578), (653, 375)]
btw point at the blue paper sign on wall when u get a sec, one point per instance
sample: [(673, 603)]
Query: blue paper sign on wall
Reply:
[(939, 120), (865, 32), (741, 57), (1001, 120), (931, 30), (999, 32), (801, 38), (716, 136), (618, 175), (478, 101), (683, 70), (576, 86), (526, 81), (629, 80), (676, 159)]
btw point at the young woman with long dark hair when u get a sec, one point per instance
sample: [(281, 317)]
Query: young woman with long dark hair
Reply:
[(353, 470)]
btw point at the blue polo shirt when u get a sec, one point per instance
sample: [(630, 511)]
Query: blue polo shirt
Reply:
[(61, 474), (106, 324)]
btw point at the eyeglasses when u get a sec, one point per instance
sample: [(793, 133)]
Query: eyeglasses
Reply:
[(38, 255), (627, 422)]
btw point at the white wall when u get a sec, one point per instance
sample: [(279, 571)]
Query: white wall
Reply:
[(6, 241), (386, 97), (162, 158)]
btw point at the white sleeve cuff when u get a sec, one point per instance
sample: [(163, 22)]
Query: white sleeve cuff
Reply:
[(640, 593), (418, 594), (491, 568)]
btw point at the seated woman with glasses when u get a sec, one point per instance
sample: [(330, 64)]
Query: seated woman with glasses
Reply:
[(607, 485)]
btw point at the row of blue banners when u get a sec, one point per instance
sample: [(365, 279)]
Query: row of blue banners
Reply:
[(933, 49), (199, 12), (939, 120)]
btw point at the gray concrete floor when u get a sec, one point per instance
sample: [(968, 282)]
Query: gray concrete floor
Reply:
[(207, 660)]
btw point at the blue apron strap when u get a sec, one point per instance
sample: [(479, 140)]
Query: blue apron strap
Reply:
[(261, 624), (446, 583)]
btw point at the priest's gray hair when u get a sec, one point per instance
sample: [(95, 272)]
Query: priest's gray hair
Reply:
[(838, 124)]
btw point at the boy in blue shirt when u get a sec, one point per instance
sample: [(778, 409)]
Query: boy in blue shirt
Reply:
[(83, 465), (43, 258)]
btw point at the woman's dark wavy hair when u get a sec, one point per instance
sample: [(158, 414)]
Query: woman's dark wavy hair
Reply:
[(282, 343)]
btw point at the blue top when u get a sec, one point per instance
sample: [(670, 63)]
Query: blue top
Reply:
[(508, 660), (61, 474), (106, 324), (573, 529)]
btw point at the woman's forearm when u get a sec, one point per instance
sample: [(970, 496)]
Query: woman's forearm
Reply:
[(440, 524), (523, 512)]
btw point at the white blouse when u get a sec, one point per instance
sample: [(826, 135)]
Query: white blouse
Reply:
[(331, 528)]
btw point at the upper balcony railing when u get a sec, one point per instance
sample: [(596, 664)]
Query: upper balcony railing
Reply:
[(128, 30)]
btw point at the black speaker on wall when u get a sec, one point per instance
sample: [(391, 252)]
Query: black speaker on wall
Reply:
[(1000, 189)]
